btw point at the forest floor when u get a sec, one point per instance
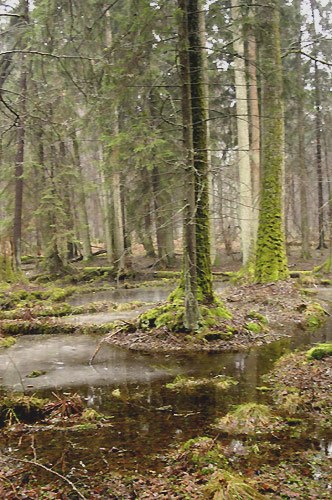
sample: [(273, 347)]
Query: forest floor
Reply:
[(281, 449), (260, 314), (254, 452)]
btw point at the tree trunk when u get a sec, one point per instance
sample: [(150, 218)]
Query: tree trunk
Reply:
[(20, 148), (118, 229), (200, 161), (271, 260), (255, 130), (302, 170), (105, 203), (81, 204), (191, 315), (318, 127), (164, 226), (245, 183)]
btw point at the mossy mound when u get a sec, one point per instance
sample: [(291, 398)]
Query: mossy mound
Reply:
[(301, 385), (19, 408), (224, 485), (320, 351), (7, 342), (314, 315), (202, 452), (248, 418), (171, 314), (190, 384)]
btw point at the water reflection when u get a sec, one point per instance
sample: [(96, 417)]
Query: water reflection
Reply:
[(147, 417)]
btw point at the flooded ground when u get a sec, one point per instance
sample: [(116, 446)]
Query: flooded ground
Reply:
[(147, 418), (122, 295)]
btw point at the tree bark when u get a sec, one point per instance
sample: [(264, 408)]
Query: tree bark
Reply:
[(254, 130), (191, 315), (302, 170), (199, 115), (20, 149), (242, 117), (81, 208), (318, 132), (271, 260)]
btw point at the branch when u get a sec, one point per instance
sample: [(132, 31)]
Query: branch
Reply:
[(313, 58), (64, 478), (48, 54), (2, 14)]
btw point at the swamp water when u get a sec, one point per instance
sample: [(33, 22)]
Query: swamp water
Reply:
[(130, 387)]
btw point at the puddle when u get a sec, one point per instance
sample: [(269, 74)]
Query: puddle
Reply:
[(147, 418), (122, 295), (102, 317)]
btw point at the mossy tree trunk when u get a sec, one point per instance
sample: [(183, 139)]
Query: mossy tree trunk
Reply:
[(271, 260), (191, 315), (199, 118)]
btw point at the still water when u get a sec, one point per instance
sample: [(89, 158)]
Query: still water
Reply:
[(146, 416)]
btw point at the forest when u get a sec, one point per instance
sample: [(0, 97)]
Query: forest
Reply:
[(165, 249)]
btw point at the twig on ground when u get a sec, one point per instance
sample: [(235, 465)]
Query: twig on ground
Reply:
[(51, 471)]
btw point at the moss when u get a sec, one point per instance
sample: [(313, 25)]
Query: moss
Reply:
[(260, 317), (248, 418), (320, 351), (36, 327), (189, 384), (253, 327), (264, 388), (116, 393), (16, 408), (314, 315), (36, 373), (171, 315), (226, 485), (7, 342), (91, 415), (271, 259), (202, 452)]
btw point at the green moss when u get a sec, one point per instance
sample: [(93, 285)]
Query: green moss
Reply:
[(314, 315), (260, 317), (253, 327), (7, 342), (188, 384), (248, 418), (226, 485), (14, 408), (264, 388), (36, 373), (91, 415), (320, 351), (204, 452)]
